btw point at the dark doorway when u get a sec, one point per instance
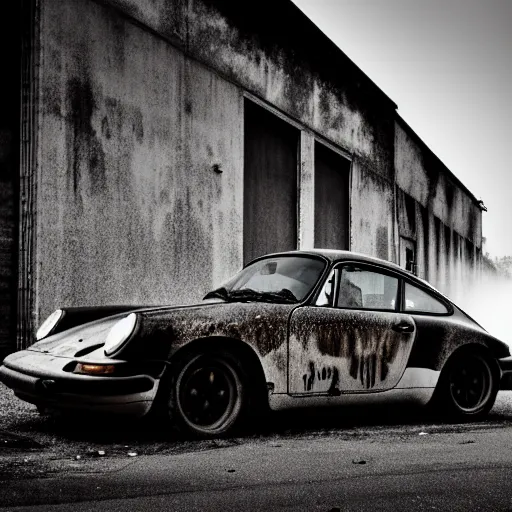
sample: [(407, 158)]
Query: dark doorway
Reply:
[(332, 199), (10, 42), (270, 183)]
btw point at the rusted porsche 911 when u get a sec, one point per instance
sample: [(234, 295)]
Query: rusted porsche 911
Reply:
[(292, 329)]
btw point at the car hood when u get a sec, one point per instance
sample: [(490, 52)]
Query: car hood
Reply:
[(77, 340), (90, 335)]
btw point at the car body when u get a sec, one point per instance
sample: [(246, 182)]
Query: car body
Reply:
[(294, 329)]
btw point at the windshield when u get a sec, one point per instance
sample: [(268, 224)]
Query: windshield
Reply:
[(280, 279)]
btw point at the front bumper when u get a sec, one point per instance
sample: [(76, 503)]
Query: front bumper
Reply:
[(506, 372), (40, 379)]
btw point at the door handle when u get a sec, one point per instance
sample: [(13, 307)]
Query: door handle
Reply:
[(403, 327)]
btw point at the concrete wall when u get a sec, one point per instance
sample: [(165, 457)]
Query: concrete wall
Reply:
[(426, 179), (448, 221), (372, 214), (272, 50), (130, 209)]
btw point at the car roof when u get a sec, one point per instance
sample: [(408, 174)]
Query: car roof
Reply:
[(335, 255)]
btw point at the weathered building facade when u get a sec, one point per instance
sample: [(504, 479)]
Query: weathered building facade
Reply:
[(439, 220), (164, 143)]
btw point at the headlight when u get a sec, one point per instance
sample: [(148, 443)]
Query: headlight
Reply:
[(49, 324), (119, 333)]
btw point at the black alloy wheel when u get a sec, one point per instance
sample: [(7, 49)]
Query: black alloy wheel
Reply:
[(467, 387), (208, 395), (471, 383)]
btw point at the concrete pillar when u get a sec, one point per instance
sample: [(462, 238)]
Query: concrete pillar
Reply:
[(307, 191)]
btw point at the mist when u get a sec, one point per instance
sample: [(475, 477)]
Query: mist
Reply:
[(489, 301)]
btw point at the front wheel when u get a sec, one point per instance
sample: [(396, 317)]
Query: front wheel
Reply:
[(207, 395), (468, 387)]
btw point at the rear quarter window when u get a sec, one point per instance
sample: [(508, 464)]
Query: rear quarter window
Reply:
[(417, 300)]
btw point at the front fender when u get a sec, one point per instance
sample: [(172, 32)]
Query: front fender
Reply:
[(263, 326)]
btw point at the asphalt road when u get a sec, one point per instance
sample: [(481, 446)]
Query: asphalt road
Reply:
[(363, 462)]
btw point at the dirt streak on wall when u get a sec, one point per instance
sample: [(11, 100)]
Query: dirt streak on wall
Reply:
[(274, 51), (131, 203)]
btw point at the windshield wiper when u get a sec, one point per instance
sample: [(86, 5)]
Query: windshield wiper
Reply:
[(220, 293), (248, 294)]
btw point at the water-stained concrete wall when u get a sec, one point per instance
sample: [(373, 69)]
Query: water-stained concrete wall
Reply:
[(272, 50), (447, 217), (372, 214), (139, 193)]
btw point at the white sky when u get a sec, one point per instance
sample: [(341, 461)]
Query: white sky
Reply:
[(447, 64)]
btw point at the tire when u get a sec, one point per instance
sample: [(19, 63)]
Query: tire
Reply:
[(43, 410), (206, 396), (468, 386)]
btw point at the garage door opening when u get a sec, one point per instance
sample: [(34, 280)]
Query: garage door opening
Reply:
[(270, 183), (332, 199)]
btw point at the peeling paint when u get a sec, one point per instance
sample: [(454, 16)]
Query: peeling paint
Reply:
[(262, 325)]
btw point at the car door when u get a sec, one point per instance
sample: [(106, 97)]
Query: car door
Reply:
[(353, 339)]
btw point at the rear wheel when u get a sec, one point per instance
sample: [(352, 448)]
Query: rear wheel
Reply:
[(468, 386), (206, 395)]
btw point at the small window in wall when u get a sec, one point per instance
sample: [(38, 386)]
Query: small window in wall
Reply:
[(360, 288), (332, 173), (408, 255), (420, 301), (270, 183)]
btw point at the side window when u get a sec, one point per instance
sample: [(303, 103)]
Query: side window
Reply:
[(420, 301), (360, 288)]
